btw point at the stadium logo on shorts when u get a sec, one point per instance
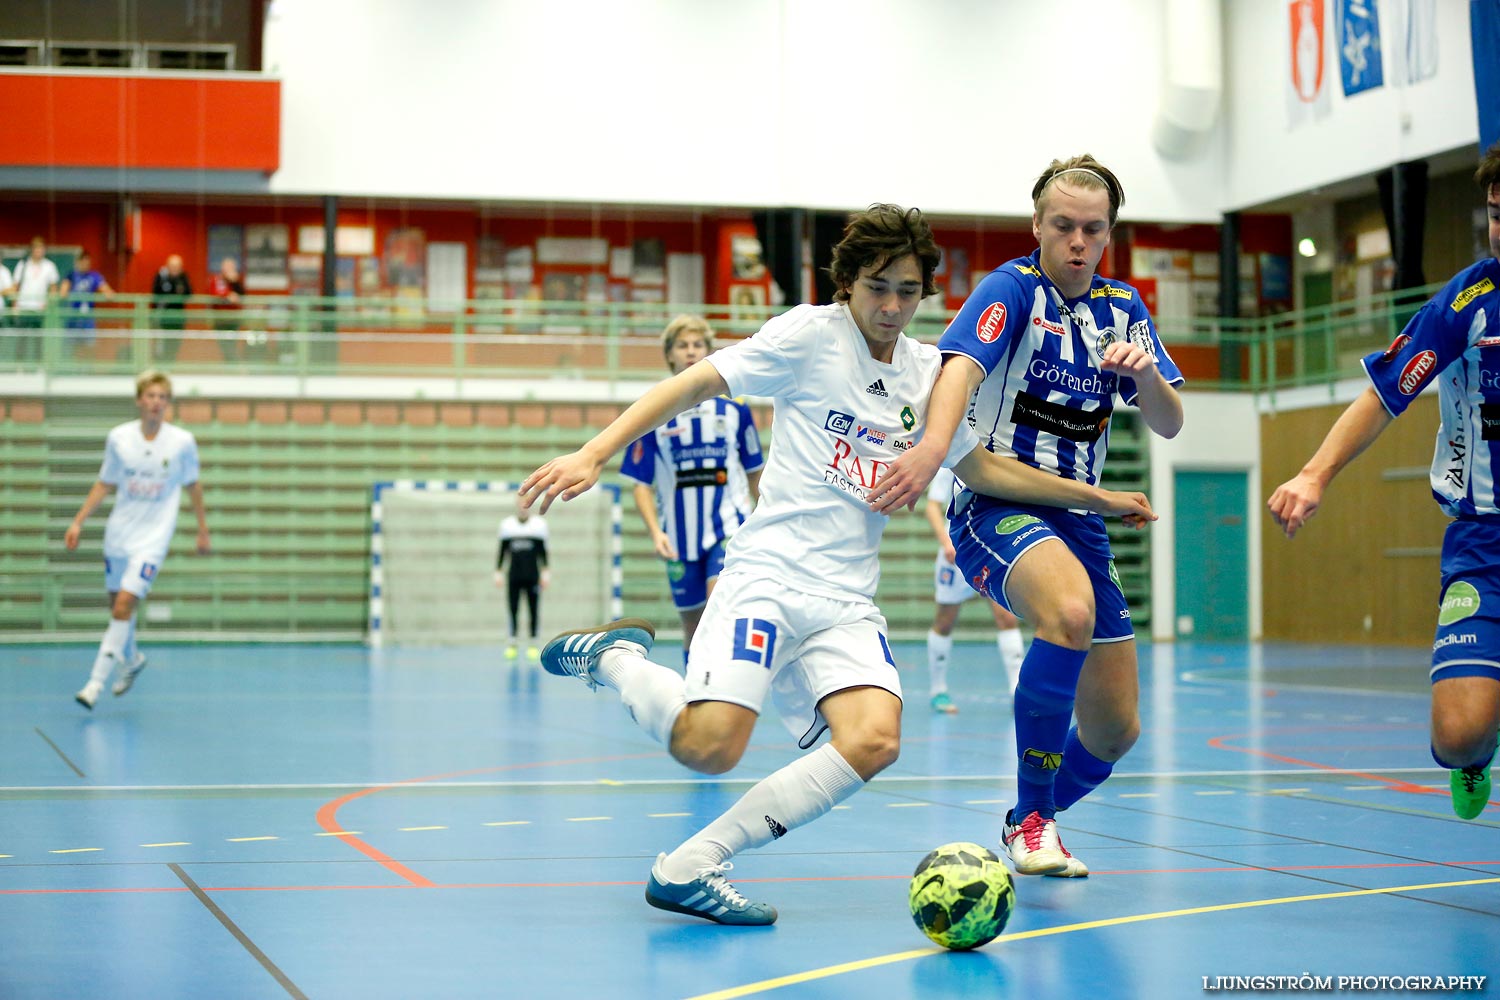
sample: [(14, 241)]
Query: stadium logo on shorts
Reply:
[(1015, 523), (839, 423), (754, 641)]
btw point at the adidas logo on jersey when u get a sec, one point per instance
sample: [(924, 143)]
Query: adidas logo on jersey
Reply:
[(877, 388)]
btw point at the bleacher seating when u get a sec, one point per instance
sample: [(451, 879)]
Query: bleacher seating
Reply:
[(289, 510)]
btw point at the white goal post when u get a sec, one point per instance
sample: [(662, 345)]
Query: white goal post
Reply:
[(433, 546)]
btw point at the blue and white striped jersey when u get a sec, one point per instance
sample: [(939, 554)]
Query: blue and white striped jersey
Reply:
[(697, 463), (1454, 338), (1044, 399)]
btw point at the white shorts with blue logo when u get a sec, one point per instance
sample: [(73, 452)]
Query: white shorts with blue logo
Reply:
[(948, 583), (133, 574), (757, 636)]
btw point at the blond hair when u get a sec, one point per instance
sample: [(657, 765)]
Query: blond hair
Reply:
[(1083, 172), (150, 377), (686, 323)]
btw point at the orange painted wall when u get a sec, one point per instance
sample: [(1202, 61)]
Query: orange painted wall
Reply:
[(152, 122)]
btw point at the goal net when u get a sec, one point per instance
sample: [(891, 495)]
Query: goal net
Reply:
[(433, 547)]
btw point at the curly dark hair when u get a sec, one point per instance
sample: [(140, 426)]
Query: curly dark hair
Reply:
[(878, 236), (1489, 169), (1085, 172)]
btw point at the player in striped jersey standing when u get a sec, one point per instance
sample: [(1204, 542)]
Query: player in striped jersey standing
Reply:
[(1033, 363), (697, 478), (1454, 340)]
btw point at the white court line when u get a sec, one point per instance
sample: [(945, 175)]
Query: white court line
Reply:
[(413, 786)]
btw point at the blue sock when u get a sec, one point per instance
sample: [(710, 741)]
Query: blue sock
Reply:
[(1482, 762), (1043, 709), (1081, 773)]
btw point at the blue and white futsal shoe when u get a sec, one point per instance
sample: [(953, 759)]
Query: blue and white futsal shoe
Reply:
[(129, 674), (576, 653), (710, 896)]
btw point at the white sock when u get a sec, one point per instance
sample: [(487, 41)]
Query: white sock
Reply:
[(654, 695), (939, 649), (795, 795), (128, 652), (1012, 652), (110, 649)]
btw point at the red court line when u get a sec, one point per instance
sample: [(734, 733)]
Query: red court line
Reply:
[(327, 815), (1395, 784), (763, 881)]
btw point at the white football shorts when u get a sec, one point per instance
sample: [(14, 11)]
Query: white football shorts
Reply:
[(133, 574), (757, 635), (948, 583)]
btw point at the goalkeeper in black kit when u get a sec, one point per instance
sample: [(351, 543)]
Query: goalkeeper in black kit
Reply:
[(523, 541)]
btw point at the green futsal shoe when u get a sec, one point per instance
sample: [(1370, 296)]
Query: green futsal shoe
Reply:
[(1471, 790)]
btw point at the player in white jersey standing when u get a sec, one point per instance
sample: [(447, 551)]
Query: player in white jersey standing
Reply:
[(950, 591), (148, 461), (1454, 340), (1033, 363), (794, 614), (697, 477)]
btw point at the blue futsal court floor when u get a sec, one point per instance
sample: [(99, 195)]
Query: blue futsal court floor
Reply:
[(327, 821)]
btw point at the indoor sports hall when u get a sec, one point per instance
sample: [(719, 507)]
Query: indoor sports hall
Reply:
[(394, 257)]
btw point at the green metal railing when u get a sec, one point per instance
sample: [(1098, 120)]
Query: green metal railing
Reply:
[(306, 336)]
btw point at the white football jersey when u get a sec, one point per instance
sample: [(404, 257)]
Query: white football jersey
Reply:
[(841, 418), (148, 477)]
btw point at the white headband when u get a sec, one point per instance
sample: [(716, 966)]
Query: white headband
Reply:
[(1082, 170)]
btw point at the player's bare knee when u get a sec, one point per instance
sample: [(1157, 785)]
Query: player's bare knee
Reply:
[(1460, 746), (705, 755), (1069, 621), (870, 750)]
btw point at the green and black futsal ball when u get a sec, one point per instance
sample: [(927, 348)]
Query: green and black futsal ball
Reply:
[(961, 896)]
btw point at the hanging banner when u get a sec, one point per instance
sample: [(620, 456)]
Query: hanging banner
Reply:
[(1307, 77), (1414, 57), (1484, 30), (1357, 25)]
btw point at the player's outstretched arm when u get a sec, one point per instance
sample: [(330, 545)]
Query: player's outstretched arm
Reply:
[(570, 475), (1159, 403), (96, 496), (990, 474), (1295, 501), (908, 477)]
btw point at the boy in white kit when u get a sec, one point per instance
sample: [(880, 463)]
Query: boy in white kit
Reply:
[(148, 461), (950, 591), (793, 613)]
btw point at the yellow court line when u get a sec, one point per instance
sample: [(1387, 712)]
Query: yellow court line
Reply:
[(339, 833), (76, 850), (766, 985), (415, 829), (511, 822), (172, 843), (587, 819), (1286, 791), (246, 840), (7, 855)]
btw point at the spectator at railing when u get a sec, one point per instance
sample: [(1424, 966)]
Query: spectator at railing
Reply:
[(169, 292), (81, 288), (228, 288), (36, 281)]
